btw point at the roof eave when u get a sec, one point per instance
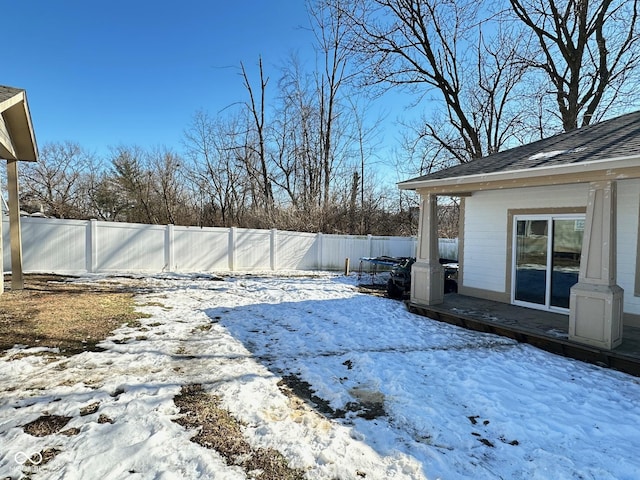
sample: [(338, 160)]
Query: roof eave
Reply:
[(486, 179), (15, 111)]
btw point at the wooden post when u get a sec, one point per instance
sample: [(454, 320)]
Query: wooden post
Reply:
[(1, 256), (17, 278), (346, 266)]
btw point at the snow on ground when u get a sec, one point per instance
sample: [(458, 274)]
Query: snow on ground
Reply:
[(401, 396)]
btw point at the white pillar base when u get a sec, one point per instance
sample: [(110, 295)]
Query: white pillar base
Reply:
[(596, 315), (427, 283)]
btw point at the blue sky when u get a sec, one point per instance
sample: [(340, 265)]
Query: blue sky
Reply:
[(134, 72)]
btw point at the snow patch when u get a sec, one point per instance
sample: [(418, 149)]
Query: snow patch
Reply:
[(405, 397), (555, 153)]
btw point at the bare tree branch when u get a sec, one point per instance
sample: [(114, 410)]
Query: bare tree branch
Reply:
[(588, 49)]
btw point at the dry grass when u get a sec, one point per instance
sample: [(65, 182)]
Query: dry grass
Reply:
[(46, 425), (52, 312), (218, 430)]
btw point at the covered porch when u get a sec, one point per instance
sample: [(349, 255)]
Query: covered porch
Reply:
[(543, 329), (551, 225)]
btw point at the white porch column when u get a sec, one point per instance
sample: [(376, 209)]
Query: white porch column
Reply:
[(427, 275), (596, 301)]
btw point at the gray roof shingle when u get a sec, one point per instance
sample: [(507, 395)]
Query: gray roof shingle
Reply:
[(7, 92), (615, 138)]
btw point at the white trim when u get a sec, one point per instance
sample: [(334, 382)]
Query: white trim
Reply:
[(13, 100), (549, 218), (581, 167)]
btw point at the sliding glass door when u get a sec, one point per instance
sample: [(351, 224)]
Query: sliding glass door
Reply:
[(532, 240), (546, 259)]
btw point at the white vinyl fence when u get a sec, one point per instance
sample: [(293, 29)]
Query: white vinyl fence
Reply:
[(91, 246)]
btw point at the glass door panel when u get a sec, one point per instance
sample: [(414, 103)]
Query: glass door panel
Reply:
[(531, 261), (565, 259)]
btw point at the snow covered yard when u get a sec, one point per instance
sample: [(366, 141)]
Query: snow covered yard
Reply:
[(344, 385)]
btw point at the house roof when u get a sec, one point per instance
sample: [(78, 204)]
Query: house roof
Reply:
[(588, 148), (17, 140), (7, 92)]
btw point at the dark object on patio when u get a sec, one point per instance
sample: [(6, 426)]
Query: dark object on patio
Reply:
[(399, 283)]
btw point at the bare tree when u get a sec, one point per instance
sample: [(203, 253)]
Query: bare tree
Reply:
[(330, 29), (218, 179), (257, 112), (169, 187), (448, 217), (54, 185), (285, 158), (448, 48), (366, 134), (589, 51), (298, 142)]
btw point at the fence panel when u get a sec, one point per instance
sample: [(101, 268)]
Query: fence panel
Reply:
[(448, 248), (200, 249), (79, 246), (336, 248), (297, 251), (252, 249), (130, 247), (49, 245), (393, 247)]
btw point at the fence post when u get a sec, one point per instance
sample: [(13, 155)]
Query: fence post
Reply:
[(319, 252), (168, 248), (232, 248), (91, 258), (273, 249), (370, 246)]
